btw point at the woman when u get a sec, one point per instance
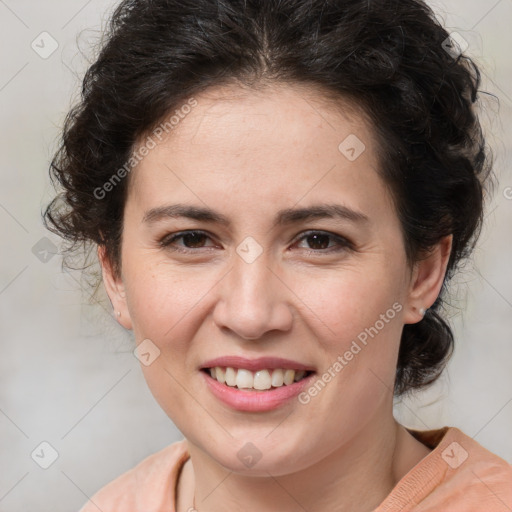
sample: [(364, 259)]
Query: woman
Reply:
[(279, 193)]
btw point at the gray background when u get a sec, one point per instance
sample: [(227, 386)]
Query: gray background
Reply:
[(67, 374)]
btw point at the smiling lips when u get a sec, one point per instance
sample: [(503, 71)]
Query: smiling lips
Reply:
[(255, 385)]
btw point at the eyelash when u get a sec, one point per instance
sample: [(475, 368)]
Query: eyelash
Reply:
[(343, 243)]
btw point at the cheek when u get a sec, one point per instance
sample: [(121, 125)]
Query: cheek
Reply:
[(345, 303), (163, 306), (160, 301), (357, 324)]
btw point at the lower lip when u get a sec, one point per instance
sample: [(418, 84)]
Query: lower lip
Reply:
[(255, 401)]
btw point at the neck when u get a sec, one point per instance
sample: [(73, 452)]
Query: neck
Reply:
[(356, 476)]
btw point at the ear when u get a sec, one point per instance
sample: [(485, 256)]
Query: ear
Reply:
[(427, 279), (115, 289)]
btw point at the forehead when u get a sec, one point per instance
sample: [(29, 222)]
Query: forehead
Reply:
[(225, 114), (277, 142)]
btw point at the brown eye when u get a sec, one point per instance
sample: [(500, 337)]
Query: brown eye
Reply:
[(318, 242), (194, 239), (190, 239)]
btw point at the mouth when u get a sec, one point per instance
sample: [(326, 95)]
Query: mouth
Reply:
[(265, 379), (255, 385)]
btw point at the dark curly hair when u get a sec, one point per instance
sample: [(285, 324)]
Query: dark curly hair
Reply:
[(389, 57)]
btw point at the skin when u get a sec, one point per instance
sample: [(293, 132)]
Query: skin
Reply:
[(248, 154)]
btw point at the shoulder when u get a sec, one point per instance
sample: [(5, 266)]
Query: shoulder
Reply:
[(148, 486), (475, 477), (459, 475)]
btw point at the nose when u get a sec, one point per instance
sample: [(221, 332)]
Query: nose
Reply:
[(253, 300)]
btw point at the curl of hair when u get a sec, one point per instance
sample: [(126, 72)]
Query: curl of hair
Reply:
[(386, 56)]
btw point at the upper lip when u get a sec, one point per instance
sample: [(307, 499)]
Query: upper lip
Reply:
[(261, 363)]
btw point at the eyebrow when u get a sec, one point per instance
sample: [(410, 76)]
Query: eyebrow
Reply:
[(283, 217)]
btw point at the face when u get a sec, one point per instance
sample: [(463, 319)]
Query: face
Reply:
[(254, 243)]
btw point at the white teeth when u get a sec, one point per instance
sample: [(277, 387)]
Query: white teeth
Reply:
[(262, 380), (289, 375), (230, 377), (277, 378), (220, 374), (244, 379), (259, 380)]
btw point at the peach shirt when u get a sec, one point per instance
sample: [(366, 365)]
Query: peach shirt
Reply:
[(458, 475)]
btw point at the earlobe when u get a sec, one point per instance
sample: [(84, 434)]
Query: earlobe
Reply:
[(427, 280), (115, 289)]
